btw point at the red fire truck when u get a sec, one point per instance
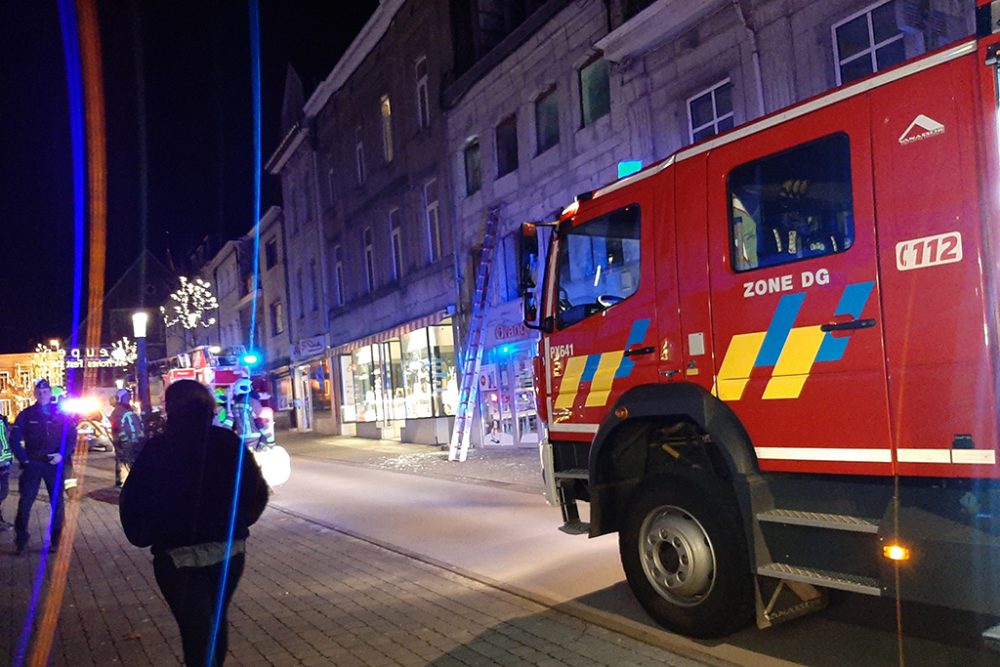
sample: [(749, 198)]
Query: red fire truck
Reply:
[(770, 362)]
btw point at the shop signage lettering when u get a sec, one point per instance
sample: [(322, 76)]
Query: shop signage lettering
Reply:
[(94, 357), (311, 346), (511, 331)]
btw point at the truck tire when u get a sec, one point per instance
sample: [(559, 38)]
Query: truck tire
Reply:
[(685, 556)]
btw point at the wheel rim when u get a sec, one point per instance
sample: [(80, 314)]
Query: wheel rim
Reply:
[(677, 556)]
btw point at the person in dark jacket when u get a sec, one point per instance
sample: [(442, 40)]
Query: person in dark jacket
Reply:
[(43, 440), (6, 459), (126, 434), (178, 500)]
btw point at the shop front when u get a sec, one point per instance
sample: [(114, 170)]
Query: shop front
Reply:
[(507, 414), (312, 387), (400, 384)]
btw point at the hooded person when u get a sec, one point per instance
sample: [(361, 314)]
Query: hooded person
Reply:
[(191, 497)]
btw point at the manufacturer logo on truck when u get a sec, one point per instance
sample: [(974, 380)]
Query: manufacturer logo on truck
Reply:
[(922, 127)]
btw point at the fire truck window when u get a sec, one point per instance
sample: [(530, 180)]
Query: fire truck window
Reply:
[(792, 205), (598, 265)]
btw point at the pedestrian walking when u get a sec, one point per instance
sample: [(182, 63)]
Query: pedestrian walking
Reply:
[(179, 500), (126, 434), (42, 440), (6, 460)]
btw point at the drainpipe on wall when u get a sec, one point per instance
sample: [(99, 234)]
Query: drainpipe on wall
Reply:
[(745, 13)]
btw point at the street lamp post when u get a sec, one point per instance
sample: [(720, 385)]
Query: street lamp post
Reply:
[(139, 321)]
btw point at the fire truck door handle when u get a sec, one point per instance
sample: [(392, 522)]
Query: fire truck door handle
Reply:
[(632, 351), (853, 324)]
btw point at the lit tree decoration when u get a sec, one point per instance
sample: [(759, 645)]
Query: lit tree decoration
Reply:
[(192, 301), (124, 352), (48, 363)]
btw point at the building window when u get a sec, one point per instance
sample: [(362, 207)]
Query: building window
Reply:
[(423, 102), (5, 407), (338, 259), (301, 296), (359, 155), (711, 111), (595, 91), (293, 202), (4, 381), (433, 217), (369, 244), (547, 120), (331, 182), (792, 205), (385, 108), (396, 232), (277, 318), (473, 169), (270, 253), (506, 139), (867, 42), (313, 287)]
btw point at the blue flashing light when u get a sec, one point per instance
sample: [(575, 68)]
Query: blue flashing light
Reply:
[(629, 167), (505, 349), (250, 359)]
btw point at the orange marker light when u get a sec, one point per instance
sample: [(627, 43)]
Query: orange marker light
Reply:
[(896, 552)]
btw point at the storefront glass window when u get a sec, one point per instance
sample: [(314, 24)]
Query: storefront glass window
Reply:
[(364, 393), (319, 387), (348, 399), (416, 374), (395, 392), (507, 396), (444, 375)]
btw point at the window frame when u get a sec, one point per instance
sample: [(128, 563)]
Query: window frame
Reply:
[(716, 118), (396, 237), (509, 121), (338, 258), (270, 253), (583, 97), (473, 185), (359, 155), (368, 243), (432, 215), (873, 47), (550, 93), (277, 318), (422, 93), (385, 113)]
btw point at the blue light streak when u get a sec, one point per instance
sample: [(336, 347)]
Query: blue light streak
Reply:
[(255, 83), (74, 84)]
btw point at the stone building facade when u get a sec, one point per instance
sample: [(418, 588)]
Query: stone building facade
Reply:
[(569, 100)]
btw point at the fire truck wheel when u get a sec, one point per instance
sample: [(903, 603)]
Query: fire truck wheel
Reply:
[(685, 555)]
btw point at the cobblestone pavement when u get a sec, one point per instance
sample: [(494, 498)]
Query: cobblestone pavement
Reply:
[(309, 596)]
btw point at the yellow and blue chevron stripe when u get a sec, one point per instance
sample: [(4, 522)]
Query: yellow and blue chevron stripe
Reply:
[(599, 370), (791, 351)]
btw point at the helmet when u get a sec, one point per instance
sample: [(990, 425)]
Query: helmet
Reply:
[(123, 396), (243, 386)]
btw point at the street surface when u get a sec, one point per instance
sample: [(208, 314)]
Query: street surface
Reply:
[(505, 534)]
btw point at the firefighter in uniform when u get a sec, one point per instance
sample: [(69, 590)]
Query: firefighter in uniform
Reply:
[(245, 413), (126, 434)]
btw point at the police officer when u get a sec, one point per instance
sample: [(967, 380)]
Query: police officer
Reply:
[(43, 441)]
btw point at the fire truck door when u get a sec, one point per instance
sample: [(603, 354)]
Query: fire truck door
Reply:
[(797, 323), (925, 130), (604, 338)]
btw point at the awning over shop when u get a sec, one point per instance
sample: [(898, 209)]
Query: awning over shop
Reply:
[(395, 332)]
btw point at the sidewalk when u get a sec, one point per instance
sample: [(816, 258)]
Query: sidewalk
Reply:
[(309, 596), (516, 468)]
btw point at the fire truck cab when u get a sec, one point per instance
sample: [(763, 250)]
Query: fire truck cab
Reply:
[(769, 362)]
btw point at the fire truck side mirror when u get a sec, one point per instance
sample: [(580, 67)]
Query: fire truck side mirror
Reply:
[(528, 274)]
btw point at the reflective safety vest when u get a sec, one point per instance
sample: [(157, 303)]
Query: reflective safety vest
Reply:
[(6, 455)]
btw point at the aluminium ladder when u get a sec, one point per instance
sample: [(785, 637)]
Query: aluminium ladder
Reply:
[(469, 380)]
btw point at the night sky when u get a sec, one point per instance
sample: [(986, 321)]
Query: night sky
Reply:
[(194, 69)]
